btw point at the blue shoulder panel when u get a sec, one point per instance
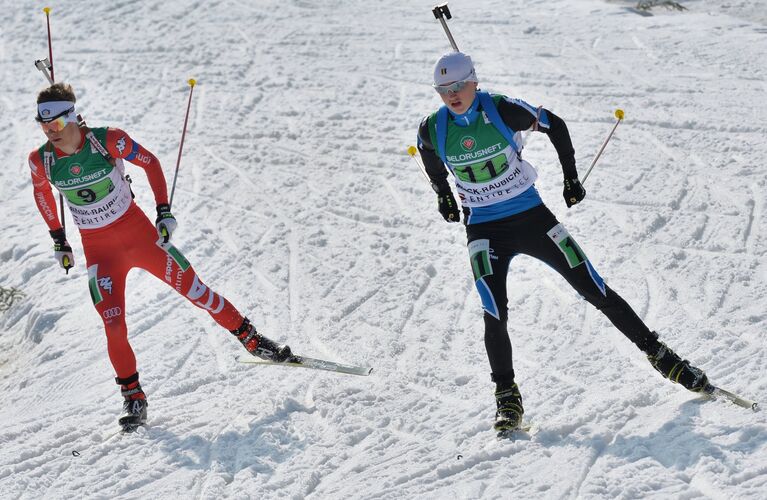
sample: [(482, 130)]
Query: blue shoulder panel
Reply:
[(488, 106), (441, 127)]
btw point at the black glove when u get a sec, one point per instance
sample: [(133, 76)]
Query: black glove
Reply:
[(165, 222), (62, 252), (448, 207), (573, 192)]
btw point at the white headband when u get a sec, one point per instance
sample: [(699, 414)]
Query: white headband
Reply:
[(49, 110)]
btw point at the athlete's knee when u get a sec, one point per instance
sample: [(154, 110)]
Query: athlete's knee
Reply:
[(113, 316), (204, 297), (605, 302), (116, 332), (599, 301), (491, 306), (496, 325)]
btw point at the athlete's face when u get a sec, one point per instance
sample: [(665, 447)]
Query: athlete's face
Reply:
[(66, 139), (460, 101)]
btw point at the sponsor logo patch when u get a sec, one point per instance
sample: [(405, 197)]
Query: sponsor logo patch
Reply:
[(121, 144), (112, 312), (106, 284), (75, 169), (468, 143)]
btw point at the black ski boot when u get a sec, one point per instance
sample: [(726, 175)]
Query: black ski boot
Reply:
[(134, 405), (676, 369), (260, 346), (508, 417)]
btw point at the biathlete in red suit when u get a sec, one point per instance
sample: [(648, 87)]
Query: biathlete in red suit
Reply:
[(86, 167)]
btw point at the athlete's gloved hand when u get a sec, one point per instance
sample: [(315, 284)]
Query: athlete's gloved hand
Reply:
[(447, 206), (62, 252), (165, 222), (573, 192)]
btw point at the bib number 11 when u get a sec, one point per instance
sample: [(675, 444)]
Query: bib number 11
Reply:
[(479, 254), (567, 245)]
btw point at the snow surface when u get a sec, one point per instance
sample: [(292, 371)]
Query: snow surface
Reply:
[(297, 200)]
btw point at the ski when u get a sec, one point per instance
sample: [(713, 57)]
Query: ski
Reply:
[(716, 393), (128, 428), (314, 363), (131, 424), (523, 430)]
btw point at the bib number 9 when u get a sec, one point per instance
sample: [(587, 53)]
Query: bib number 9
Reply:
[(91, 194), (87, 195)]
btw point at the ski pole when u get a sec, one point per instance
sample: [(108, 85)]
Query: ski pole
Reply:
[(413, 151), (45, 65), (619, 116), (442, 12), (191, 83), (47, 11)]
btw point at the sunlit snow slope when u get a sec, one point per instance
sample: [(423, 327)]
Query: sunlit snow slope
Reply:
[(297, 201)]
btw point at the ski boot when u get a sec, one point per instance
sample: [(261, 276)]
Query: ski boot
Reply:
[(134, 405), (676, 369), (260, 346), (508, 417)]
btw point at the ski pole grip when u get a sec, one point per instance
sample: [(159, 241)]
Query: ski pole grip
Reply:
[(441, 10)]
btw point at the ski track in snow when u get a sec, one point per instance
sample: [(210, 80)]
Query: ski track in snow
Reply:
[(297, 201)]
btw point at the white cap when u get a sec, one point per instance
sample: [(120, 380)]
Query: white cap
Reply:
[(454, 67)]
